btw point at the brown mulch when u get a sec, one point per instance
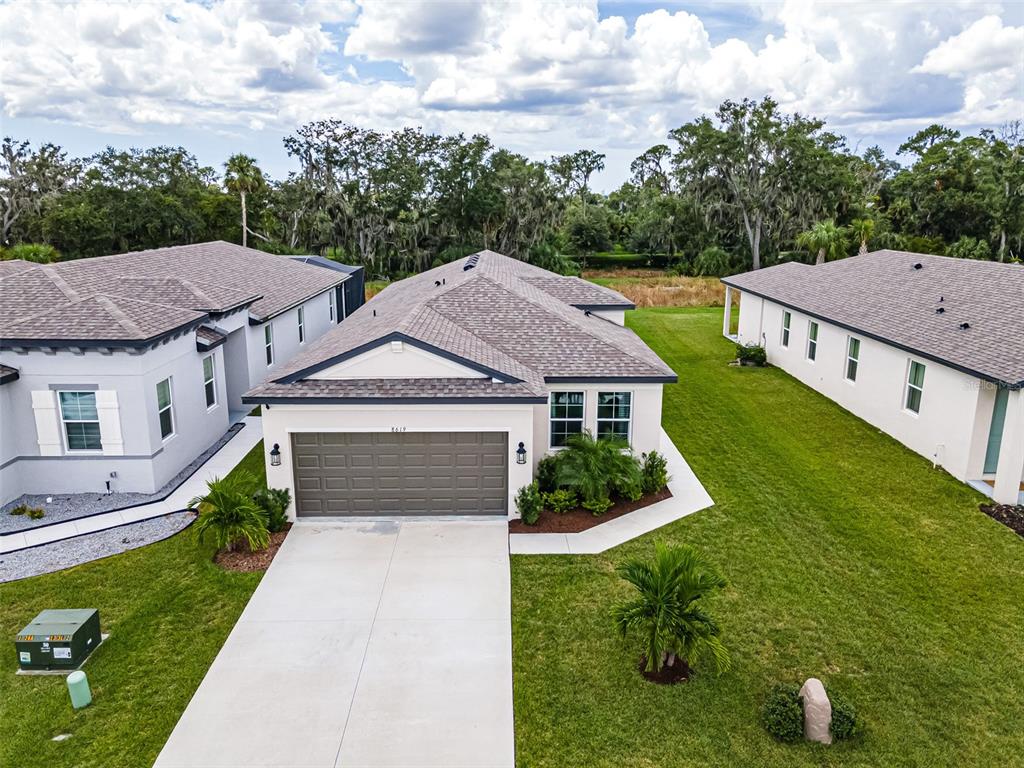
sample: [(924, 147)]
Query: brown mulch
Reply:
[(247, 561), (1010, 515), (670, 674), (580, 519)]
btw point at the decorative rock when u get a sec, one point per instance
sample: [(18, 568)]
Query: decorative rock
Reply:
[(817, 712)]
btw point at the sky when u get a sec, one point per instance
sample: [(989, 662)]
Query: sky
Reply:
[(541, 78)]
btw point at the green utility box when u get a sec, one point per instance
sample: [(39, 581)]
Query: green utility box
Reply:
[(59, 639)]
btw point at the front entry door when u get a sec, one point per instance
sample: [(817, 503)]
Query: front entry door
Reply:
[(995, 432)]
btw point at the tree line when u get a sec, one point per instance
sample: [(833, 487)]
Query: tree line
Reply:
[(743, 188)]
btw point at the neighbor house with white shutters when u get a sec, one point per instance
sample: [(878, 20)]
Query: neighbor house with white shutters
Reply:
[(929, 349)]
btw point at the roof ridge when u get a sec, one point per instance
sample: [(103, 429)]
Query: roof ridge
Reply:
[(60, 282), (118, 314)]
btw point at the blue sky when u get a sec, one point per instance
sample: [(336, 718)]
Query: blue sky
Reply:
[(539, 78)]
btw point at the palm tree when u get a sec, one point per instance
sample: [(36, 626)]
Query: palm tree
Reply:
[(862, 229), (242, 176), (594, 467), (228, 513), (825, 238), (667, 614)]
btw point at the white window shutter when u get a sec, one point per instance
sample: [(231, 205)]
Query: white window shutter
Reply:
[(48, 426), (110, 422)]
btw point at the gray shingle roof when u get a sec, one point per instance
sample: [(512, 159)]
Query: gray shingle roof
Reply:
[(509, 319), (883, 296), (150, 292)]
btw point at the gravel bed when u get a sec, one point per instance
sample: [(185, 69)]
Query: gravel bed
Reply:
[(75, 505), (59, 555)]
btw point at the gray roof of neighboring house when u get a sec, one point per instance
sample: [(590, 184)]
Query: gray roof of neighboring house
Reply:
[(321, 261), (132, 298), (512, 321), (883, 295)]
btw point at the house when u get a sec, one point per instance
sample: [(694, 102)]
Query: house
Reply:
[(929, 349), (440, 395), (116, 372)]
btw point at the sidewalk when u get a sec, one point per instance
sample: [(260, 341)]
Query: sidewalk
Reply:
[(217, 465)]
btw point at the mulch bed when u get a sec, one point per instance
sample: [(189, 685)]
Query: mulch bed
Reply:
[(247, 561), (670, 674), (1010, 515), (581, 519)]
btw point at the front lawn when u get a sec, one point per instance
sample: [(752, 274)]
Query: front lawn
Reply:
[(168, 610), (848, 558)]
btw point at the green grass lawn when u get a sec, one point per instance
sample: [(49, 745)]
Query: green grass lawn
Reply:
[(848, 558)]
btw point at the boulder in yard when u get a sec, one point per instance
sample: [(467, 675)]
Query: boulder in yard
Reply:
[(817, 712)]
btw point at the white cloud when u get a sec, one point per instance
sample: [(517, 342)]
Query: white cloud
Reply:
[(540, 77)]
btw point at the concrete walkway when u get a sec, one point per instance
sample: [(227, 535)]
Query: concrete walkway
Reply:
[(366, 644), (688, 496), (218, 465)]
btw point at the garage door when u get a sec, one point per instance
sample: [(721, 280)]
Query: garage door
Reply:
[(405, 473)]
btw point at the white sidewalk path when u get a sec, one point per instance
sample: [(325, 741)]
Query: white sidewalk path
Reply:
[(688, 496), (384, 643), (218, 465)]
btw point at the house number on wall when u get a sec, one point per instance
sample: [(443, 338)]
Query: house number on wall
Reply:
[(398, 429)]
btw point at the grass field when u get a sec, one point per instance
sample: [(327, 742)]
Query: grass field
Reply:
[(654, 288), (848, 558)]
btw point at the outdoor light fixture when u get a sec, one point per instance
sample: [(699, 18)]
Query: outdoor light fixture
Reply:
[(275, 456), (521, 454)]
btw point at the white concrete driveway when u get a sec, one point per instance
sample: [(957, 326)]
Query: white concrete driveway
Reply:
[(366, 644)]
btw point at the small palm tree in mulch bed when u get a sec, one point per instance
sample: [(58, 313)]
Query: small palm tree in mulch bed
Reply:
[(228, 514)]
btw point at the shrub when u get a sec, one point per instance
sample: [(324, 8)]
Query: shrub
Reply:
[(751, 353), (844, 717), (547, 471), (21, 509), (711, 262), (594, 468), (597, 506), (228, 513), (560, 501), (783, 713), (631, 488), (35, 513), (654, 472), (274, 503), (40, 253), (529, 503)]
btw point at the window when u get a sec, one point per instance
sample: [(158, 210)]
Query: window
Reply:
[(613, 414), (268, 342), (163, 408), (812, 341), (209, 383), (786, 318), (81, 421), (915, 386), (330, 304), (566, 416), (852, 358), (302, 325)]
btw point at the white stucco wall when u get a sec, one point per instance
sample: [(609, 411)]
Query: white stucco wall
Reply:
[(951, 429), (286, 336)]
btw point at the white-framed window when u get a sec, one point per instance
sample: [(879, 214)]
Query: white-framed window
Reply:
[(852, 357), (81, 421), (209, 381), (302, 325), (566, 416), (164, 408), (787, 319), (812, 341), (268, 343), (915, 387), (614, 415), (330, 304)]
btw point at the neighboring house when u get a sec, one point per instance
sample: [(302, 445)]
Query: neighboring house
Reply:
[(928, 349), (440, 395), (117, 371)]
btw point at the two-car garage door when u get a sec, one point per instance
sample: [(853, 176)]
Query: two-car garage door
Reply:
[(402, 473)]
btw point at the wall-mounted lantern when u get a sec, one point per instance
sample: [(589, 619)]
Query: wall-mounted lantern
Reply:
[(275, 456), (521, 454)]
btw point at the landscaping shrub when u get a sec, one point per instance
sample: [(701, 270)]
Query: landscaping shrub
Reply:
[(21, 509), (845, 724), (711, 262), (228, 514), (529, 503), (632, 487), (35, 513), (594, 468), (754, 354), (783, 713), (654, 472), (560, 501), (597, 506), (274, 503), (547, 470)]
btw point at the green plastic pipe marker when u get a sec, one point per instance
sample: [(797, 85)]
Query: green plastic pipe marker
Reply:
[(78, 687)]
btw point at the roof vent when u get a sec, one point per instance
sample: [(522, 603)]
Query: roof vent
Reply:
[(471, 262), (940, 310), (437, 283), (964, 326), (918, 265)]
